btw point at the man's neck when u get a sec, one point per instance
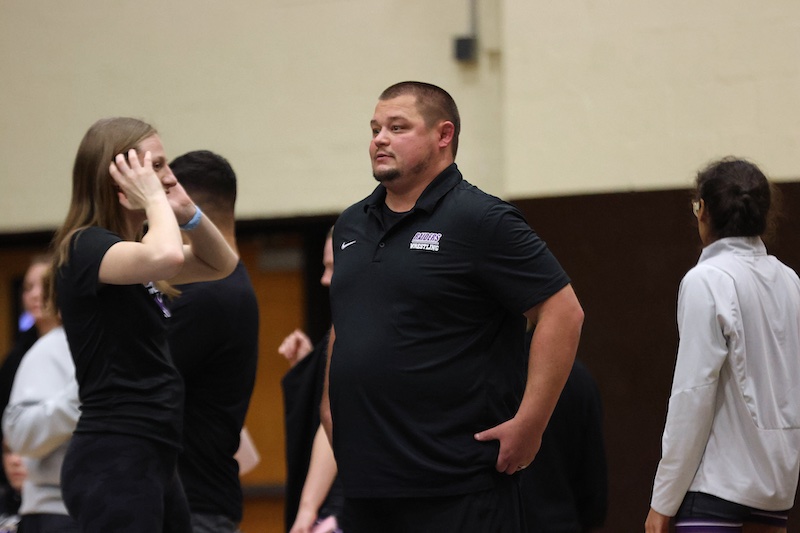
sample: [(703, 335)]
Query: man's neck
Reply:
[(224, 223), (401, 200), (402, 194)]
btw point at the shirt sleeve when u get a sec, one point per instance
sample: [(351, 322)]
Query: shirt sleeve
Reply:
[(515, 264), (43, 408), (88, 249), (706, 317)]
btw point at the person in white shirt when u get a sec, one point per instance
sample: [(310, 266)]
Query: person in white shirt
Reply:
[(43, 409), (38, 423), (731, 444)]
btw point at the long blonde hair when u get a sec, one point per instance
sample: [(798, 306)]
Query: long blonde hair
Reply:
[(94, 193)]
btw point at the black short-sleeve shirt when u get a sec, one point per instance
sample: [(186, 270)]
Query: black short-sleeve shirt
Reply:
[(213, 338), (430, 337), (117, 336)]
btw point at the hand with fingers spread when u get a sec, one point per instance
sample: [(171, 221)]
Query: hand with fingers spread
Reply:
[(517, 447), (137, 181)]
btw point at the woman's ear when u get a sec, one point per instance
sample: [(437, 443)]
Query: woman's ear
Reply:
[(701, 211)]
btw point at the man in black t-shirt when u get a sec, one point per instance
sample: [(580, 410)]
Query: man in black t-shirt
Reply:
[(213, 338), (430, 410)]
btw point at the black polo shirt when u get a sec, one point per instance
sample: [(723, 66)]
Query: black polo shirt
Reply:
[(430, 337)]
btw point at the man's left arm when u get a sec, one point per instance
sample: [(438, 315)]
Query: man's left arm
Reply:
[(558, 321)]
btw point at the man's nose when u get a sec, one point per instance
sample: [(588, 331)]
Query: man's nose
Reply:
[(381, 138)]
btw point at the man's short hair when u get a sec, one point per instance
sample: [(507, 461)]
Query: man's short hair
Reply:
[(433, 103), (206, 175)]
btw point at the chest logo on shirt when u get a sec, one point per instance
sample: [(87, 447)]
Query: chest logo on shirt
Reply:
[(426, 240)]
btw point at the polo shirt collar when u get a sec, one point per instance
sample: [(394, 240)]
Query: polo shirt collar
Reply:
[(441, 185)]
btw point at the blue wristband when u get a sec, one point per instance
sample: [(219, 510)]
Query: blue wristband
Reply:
[(194, 221)]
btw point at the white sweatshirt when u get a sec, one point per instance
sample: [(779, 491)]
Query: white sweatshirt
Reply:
[(41, 415)]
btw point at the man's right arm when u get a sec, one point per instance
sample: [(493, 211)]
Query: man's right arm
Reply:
[(555, 340)]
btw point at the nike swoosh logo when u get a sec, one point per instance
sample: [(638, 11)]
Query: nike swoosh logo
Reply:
[(346, 244)]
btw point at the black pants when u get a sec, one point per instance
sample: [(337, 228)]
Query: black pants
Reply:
[(47, 523), (498, 510), (123, 484), (699, 508), (211, 523)]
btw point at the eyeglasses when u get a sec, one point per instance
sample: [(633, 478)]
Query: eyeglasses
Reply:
[(695, 207)]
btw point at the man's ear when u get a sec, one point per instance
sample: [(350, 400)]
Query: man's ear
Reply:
[(446, 132)]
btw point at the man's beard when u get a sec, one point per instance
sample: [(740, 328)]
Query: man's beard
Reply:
[(391, 174), (384, 176)]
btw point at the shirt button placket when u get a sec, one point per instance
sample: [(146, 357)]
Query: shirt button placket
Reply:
[(377, 256)]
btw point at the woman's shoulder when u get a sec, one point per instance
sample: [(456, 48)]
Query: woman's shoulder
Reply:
[(706, 274), (93, 240), (94, 233)]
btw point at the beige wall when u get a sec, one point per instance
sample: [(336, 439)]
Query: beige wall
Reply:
[(566, 97), (630, 94)]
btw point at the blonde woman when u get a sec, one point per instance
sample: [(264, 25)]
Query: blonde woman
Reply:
[(119, 472)]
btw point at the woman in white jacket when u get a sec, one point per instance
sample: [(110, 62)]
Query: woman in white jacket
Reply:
[(731, 445), (38, 422)]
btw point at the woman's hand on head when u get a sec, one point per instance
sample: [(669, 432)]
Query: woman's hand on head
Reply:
[(137, 181)]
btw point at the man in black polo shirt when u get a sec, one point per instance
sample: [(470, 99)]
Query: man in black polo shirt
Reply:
[(431, 413)]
